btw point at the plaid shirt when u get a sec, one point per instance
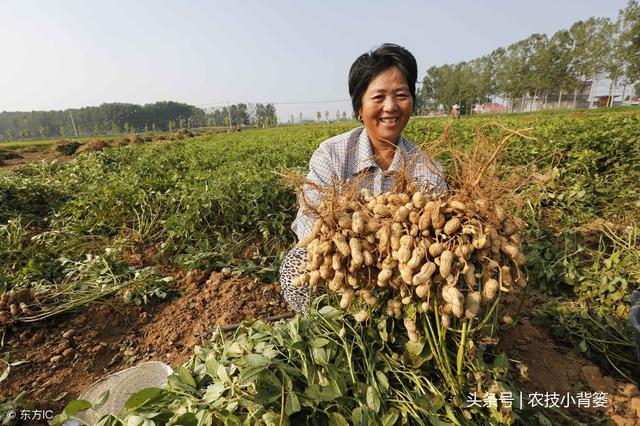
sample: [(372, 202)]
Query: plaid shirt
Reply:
[(348, 155)]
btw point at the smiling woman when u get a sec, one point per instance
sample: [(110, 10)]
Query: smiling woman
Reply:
[(385, 110), (382, 87)]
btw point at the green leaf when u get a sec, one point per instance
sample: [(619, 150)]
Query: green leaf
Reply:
[(361, 417), (141, 397), (501, 361), (373, 399), (231, 420), (187, 419), (583, 346), (382, 329), (336, 419), (297, 346), (255, 360), (268, 388), (212, 366), (320, 356), (415, 348), (213, 392), (390, 418), (435, 421), (292, 404), (75, 406), (318, 342), (326, 393), (104, 396), (222, 374), (329, 311), (383, 382), (186, 377), (248, 375), (271, 419)]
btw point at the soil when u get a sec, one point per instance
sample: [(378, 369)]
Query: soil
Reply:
[(66, 355), (31, 155), (554, 368)]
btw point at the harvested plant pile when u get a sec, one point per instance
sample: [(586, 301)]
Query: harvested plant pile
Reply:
[(414, 250), (435, 265), (319, 368)]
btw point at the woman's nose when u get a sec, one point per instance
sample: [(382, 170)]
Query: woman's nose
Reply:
[(390, 103)]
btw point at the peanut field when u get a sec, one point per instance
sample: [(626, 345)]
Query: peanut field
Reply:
[(136, 228)]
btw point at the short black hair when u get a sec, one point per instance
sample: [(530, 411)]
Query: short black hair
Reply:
[(370, 64)]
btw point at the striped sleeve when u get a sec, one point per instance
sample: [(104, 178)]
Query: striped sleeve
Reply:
[(322, 173)]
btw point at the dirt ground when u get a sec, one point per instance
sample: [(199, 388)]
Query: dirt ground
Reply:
[(35, 154), (68, 354), (31, 155), (552, 368)]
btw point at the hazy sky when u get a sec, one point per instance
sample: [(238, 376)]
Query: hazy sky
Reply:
[(68, 54)]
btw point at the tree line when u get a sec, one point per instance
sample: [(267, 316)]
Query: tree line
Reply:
[(121, 118), (543, 68), (260, 115)]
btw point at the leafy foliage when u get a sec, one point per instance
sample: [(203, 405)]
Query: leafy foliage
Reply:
[(319, 368)]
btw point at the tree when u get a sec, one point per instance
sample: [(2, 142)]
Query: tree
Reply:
[(300, 116), (630, 42), (318, 116), (589, 49), (106, 116), (265, 115), (614, 65), (326, 116)]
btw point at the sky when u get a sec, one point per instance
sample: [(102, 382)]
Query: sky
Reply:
[(296, 54)]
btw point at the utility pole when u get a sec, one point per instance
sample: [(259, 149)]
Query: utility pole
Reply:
[(74, 124)]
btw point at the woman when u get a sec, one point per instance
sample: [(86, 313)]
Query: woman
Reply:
[(382, 86)]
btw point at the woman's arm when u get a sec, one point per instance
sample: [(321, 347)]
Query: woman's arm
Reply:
[(321, 172)]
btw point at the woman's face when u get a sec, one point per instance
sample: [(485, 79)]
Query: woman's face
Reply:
[(386, 106)]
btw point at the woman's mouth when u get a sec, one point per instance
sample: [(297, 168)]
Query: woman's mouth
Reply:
[(389, 120)]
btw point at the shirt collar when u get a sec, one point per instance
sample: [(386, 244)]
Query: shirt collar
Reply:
[(364, 154), (398, 155)]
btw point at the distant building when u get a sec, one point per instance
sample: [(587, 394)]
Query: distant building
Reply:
[(588, 95), (489, 108), (603, 101), (553, 99)]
